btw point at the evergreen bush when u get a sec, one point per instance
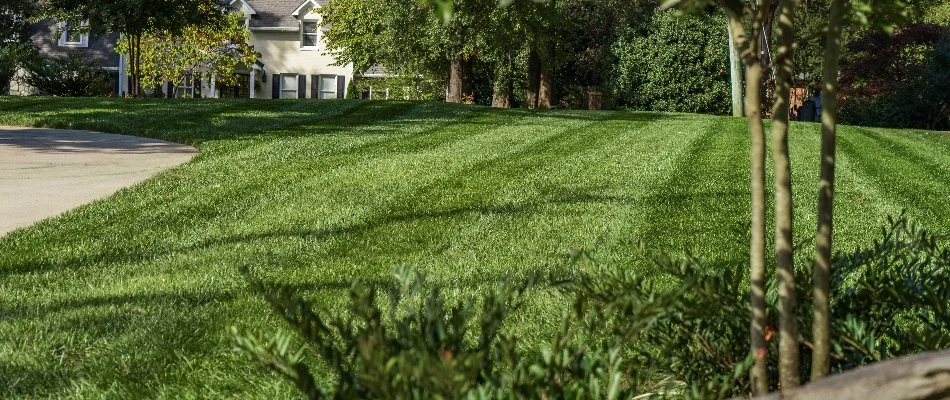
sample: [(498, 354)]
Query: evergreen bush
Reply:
[(678, 63), (679, 331)]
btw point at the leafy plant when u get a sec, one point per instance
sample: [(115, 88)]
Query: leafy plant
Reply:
[(680, 330), (67, 76), (899, 80), (410, 346), (891, 298), (679, 63)]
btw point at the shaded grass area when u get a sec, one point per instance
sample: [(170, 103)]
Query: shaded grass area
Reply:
[(131, 296)]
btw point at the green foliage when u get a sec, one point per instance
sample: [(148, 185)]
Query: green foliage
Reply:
[(679, 331), (406, 345), (890, 298), (134, 17), (623, 330), (15, 46), (13, 56), (679, 63), (399, 34), (215, 47), (899, 81), (401, 87), (405, 36), (67, 76)]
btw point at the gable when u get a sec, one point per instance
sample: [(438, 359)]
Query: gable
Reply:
[(242, 6), (280, 13)]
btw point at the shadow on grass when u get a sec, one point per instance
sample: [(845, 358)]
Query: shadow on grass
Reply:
[(553, 197), (194, 121), (179, 299), (72, 142)]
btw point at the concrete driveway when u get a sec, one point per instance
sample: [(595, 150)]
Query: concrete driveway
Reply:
[(44, 172)]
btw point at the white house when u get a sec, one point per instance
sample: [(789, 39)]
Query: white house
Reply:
[(293, 62)]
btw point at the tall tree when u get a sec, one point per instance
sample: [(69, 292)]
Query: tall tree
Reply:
[(211, 50), (407, 37), (15, 46), (748, 43), (873, 14), (821, 334)]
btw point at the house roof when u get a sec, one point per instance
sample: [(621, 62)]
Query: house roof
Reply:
[(277, 13)]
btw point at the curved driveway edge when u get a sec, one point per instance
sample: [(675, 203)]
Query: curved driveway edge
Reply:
[(44, 172)]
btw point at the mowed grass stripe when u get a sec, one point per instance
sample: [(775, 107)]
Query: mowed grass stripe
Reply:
[(216, 191), (926, 196), (132, 296), (202, 231), (705, 198), (395, 201)]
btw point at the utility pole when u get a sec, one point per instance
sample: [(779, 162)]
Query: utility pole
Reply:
[(735, 76)]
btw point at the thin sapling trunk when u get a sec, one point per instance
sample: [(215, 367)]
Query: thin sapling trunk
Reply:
[(826, 193), (785, 267)]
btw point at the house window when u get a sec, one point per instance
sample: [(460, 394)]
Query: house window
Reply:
[(310, 34), (288, 86), (328, 87), (74, 34), (186, 89)]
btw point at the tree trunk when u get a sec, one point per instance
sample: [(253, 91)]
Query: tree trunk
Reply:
[(503, 86), (546, 87), (749, 51), (735, 75), (468, 80), (826, 194), (456, 78), (785, 267), (137, 77), (534, 78), (757, 246)]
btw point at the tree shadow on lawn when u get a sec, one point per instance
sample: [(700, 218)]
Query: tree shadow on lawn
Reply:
[(117, 256), (196, 121), (141, 342), (180, 299), (75, 142)]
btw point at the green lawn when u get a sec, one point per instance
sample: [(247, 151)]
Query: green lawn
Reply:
[(132, 296)]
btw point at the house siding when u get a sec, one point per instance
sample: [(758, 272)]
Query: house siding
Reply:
[(101, 49), (281, 54), (280, 50)]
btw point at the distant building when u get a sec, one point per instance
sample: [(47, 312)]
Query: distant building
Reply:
[(287, 34), (62, 39)]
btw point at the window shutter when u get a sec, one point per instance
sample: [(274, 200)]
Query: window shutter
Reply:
[(340, 87), (302, 86), (275, 84), (315, 86), (196, 88), (169, 91)]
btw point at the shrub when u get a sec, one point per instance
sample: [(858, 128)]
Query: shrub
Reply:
[(67, 76), (900, 81), (890, 298), (678, 331), (11, 58), (400, 87), (678, 63)]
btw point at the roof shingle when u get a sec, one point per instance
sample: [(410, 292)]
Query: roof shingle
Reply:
[(275, 13)]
